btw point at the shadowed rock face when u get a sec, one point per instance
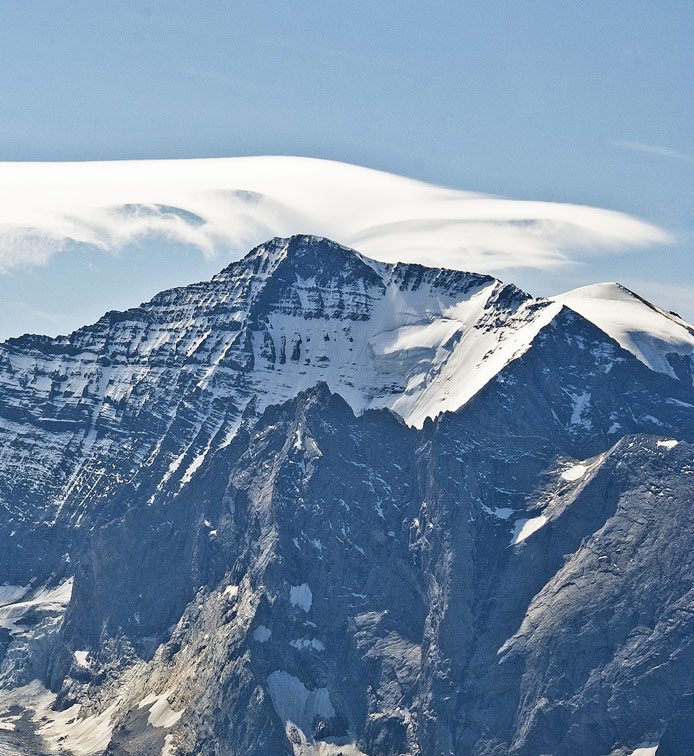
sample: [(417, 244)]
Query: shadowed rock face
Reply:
[(514, 577)]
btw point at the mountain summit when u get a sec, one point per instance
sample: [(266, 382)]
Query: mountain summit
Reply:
[(321, 504)]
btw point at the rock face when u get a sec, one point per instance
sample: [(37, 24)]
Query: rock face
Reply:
[(131, 406), (323, 505)]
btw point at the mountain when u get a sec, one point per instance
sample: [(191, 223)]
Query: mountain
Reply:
[(661, 340), (322, 505), (132, 405)]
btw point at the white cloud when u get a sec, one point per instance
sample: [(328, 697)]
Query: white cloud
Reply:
[(220, 204), (653, 149)]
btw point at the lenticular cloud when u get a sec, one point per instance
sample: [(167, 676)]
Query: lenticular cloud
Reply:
[(230, 204)]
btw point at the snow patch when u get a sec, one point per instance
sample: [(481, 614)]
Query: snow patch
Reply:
[(61, 731), (231, 591), (160, 713), (580, 405), (167, 750), (305, 643), (574, 473), (525, 528), (502, 513), (301, 596), (51, 600), (81, 658), (193, 466), (645, 749), (9, 594), (679, 402), (294, 703), (65, 731), (670, 444), (298, 707), (262, 634)]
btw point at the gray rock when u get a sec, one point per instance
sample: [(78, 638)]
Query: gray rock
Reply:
[(259, 570)]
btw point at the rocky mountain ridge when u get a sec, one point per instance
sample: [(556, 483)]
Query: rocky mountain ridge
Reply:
[(158, 387), (324, 505)]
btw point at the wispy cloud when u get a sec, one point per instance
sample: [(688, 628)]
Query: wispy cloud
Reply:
[(230, 204), (653, 149), (216, 77)]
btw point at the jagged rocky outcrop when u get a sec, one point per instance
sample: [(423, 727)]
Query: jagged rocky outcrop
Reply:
[(323, 505), (130, 406)]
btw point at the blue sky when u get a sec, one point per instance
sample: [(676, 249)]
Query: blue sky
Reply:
[(577, 102)]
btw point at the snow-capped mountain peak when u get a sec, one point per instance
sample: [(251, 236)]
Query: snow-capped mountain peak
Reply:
[(163, 385), (201, 516), (643, 329), (182, 371)]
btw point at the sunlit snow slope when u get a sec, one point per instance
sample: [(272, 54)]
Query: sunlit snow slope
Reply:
[(643, 329)]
